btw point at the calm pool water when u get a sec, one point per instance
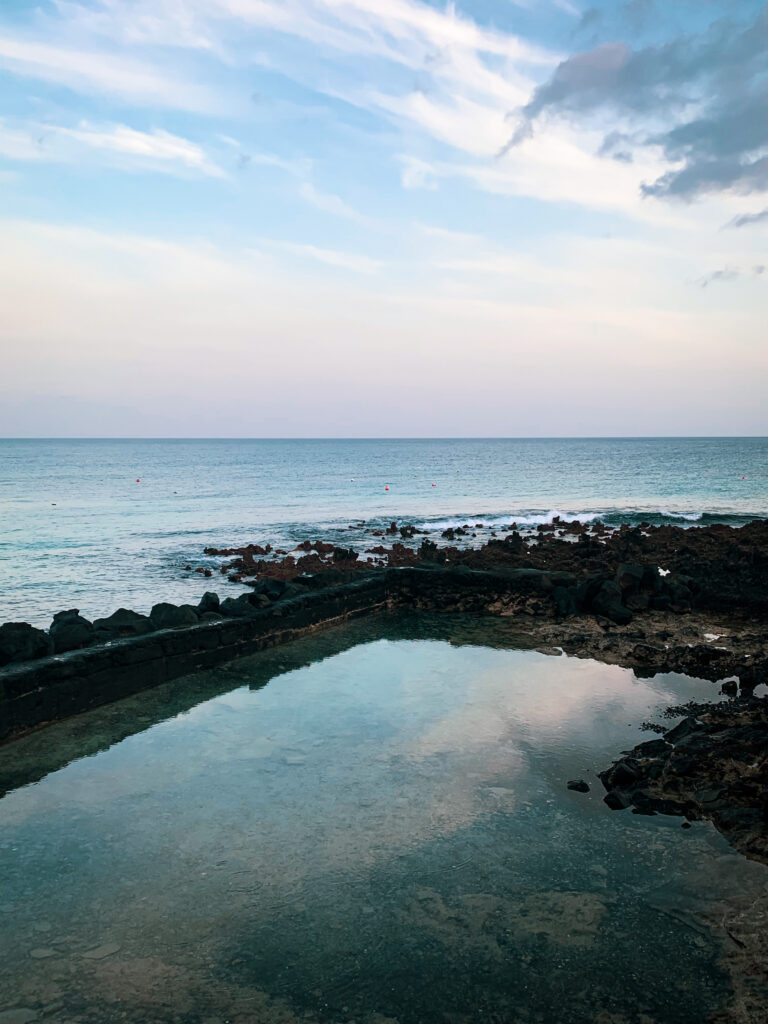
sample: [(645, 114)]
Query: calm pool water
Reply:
[(368, 826)]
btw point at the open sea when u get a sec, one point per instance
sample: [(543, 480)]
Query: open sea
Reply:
[(102, 524)]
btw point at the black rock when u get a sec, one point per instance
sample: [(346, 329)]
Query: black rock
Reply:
[(652, 748), (209, 602), (349, 554), (211, 616), (123, 622), (564, 599), (730, 688), (270, 588), (630, 577), (587, 590), (617, 801), (687, 727), (20, 642), (238, 607), (168, 616), (578, 785), (621, 774), (69, 631), (607, 602)]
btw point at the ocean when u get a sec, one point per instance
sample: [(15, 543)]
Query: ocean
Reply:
[(102, 524)]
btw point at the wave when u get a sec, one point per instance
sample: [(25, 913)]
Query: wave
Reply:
[(531, 518)]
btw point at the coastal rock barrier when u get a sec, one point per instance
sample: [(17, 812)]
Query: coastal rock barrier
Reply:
[(77, 664)]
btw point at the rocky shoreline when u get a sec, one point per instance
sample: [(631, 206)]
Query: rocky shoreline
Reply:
[(654, 599)]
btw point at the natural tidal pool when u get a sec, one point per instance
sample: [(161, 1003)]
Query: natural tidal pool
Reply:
[(370, 825)]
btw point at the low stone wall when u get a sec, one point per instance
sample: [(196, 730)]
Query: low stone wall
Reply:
[(52, 688)]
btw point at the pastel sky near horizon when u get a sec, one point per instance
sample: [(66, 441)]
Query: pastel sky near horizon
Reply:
[(383, 217)]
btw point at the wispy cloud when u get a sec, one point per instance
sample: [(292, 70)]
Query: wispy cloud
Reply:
[(356, 262), (118, 144), (102, 72), (746, 219), (335, 205), (731, 274)]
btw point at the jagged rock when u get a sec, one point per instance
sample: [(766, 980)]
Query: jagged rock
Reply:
[(20, 642), (123, 622), (69, 631), (243, 607), (211, 616), (270, 588), (345, 554), (617, 801), (168, 616), (607, 602), (564, 600), (587, 590), (209, 602)]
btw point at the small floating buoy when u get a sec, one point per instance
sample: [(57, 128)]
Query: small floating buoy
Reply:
[(351, 479), (387, 487), (138, 481), (434, 485)]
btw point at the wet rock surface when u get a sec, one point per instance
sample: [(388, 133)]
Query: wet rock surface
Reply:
[(713, 765)]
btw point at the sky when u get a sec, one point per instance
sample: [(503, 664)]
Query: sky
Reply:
[(383, 218)]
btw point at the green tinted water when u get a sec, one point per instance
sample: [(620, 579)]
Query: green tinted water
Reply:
[(371, 825)]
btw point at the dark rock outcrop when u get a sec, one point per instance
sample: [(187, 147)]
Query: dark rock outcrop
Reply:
[(209, 602), (169, 616), (70, 631), (607, 602), (123, 622), (21, 642), (712, 765)]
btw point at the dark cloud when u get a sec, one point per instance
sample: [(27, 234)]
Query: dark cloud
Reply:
[(589, 20), (711, 87)]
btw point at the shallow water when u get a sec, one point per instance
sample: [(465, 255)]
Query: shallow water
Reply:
[(370, 825), (78, 530)]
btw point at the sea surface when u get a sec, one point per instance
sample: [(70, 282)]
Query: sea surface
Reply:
[(366, 826), (100, 524)]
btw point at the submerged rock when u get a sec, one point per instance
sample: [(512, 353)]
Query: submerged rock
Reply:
[(19, 642), (578, 786)]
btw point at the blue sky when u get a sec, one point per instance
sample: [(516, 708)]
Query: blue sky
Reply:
[(383, 217)]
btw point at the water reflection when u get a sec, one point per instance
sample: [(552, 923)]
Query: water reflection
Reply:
[(379, 834)]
